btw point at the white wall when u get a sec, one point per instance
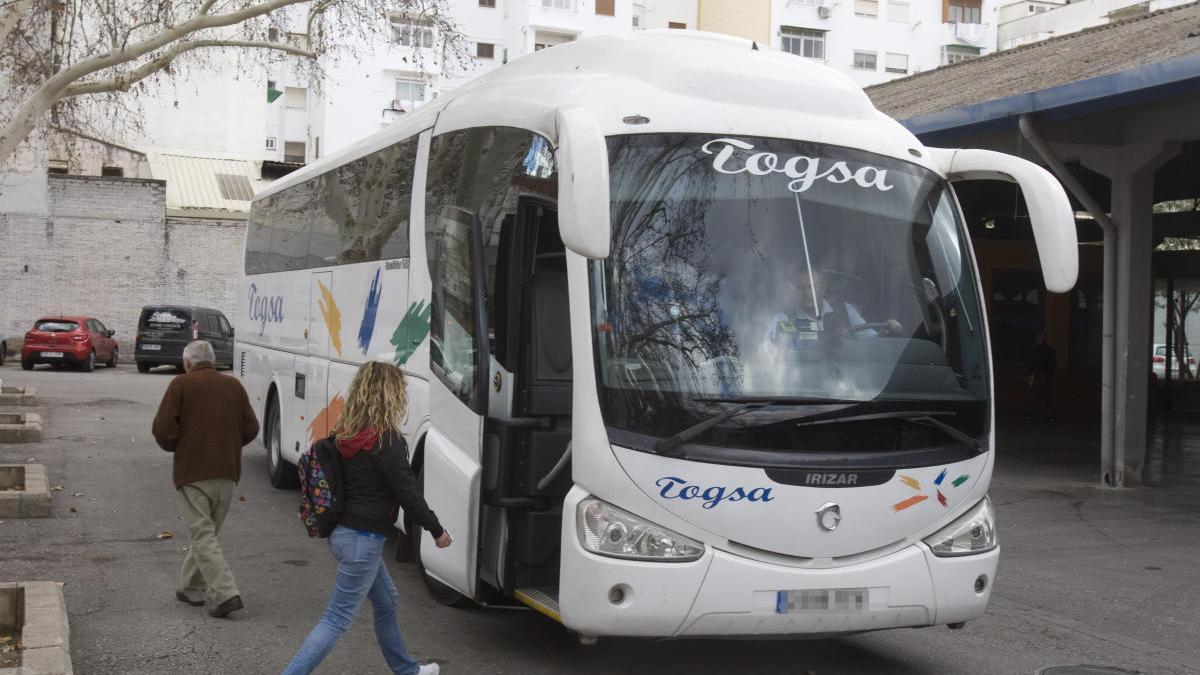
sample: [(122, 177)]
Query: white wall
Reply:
[(660, 13), (921, 37), (216, 111)]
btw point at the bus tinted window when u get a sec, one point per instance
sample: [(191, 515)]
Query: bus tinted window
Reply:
[(258, 241), (358, 212), (473, 173)]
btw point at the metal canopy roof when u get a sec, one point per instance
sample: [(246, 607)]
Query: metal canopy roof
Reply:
[(1108, 66), (206, 186)]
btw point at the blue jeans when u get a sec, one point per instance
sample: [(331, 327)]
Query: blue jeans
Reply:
[(360, 574)]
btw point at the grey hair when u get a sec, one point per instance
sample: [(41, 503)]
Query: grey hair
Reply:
[(199, 352)]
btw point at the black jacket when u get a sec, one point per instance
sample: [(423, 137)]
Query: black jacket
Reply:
[(376, 483)]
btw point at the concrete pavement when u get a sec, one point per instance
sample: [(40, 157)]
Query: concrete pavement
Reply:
[(1087, 575)]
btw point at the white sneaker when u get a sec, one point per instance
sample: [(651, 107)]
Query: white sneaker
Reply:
[(429, 669)]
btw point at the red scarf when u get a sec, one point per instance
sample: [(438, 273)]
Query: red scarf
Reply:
[(363, 440)]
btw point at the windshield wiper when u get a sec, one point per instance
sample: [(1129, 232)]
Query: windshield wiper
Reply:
[(667, 445), (924, 417)]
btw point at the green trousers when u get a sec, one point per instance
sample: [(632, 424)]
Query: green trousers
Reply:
[(205, 574)]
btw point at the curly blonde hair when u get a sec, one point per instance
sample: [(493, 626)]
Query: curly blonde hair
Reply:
[(378, 398)]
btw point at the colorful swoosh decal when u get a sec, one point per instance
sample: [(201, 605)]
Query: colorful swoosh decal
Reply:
[(367, 328), (412, 331), (916, 486), (911, 501), (326, 419), (332, 316)]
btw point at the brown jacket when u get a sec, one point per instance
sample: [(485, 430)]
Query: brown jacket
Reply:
[(205, 418)]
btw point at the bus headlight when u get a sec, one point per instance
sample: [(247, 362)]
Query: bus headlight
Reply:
[(608, 530), (973, 532)]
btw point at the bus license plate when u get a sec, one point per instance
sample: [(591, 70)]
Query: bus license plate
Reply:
[(52, 355), (151, 348), (822, 600)]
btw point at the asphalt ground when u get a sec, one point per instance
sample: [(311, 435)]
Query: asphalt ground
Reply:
[(1088, 575)]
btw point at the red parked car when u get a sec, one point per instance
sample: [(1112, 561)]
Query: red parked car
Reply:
[(74, 340)]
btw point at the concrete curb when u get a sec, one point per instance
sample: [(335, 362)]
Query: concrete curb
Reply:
[(45, 631), (26, 396), (20, 427), (32, 500)]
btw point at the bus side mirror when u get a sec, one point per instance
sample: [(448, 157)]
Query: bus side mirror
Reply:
[(583, 212), (1050, 211)]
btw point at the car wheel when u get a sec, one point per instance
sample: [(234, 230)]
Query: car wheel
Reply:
[(143, 367), (442, 593), (26, 364), (282, 472), (112, 360), (90, 363)]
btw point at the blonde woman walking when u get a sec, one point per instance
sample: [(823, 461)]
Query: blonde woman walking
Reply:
[(377, 480)]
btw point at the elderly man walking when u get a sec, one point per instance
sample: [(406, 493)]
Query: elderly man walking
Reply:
[(204, 419)]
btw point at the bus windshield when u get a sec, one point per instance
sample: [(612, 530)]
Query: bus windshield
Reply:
[(787, 273)]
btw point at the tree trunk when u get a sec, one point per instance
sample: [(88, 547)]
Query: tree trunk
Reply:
[(23, 122)]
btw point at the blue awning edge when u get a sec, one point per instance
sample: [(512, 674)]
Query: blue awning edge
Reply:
[(1151, 81)]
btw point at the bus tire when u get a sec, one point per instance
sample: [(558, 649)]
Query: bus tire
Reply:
[(281, 472), (442, 593)]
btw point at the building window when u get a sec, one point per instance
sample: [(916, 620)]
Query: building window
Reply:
[(487, 3), (865, 60), (606, 8), (270, 142), (957, 53), (803, 42), (293, 151), (866, 8), (966, 11), (296, 97), (411, 32), (485, 50), (60, 169), (545, 40), (895, 63), (114, 171), (410, 93), (559, 4), (639, 13), (899, 10), (679, 25), (317, 148)]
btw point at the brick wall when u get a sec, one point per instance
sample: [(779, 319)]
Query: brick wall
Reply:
[(106, 249)]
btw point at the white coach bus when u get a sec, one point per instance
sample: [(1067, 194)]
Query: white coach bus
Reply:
[(694, 338)]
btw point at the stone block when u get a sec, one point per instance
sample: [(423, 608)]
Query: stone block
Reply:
[(24, 491), (20, 428)]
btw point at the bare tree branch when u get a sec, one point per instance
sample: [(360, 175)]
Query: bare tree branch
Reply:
[(123, 82)]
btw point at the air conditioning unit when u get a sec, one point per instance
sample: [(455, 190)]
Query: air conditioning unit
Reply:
[(824, 11)]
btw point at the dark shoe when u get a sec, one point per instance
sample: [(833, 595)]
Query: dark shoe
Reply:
[(182, 597), (226, 608)]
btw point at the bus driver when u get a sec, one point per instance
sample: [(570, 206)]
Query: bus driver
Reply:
[(805, 322)]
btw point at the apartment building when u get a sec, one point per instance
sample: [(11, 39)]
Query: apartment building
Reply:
[(872, 41), (1029, 21), (358, 98)]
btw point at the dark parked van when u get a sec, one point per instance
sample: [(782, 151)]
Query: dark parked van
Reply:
[(164, 330)]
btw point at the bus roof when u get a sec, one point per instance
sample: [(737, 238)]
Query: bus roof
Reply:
[(680, 81)]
